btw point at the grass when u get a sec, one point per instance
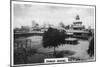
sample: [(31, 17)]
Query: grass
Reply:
[(22, 56)]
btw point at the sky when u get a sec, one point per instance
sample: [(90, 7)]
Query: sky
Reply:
[(24, 14)]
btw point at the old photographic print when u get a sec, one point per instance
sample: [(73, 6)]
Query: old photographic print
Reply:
[(45, 33)]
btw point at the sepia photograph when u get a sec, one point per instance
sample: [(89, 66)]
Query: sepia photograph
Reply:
[(45, 33)]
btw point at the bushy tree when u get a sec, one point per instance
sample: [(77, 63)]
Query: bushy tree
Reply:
[(53, 38), (16, 30), (67, 27), (91, 48), (62, 24)]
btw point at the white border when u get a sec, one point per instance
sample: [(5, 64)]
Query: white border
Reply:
[(47, 4)]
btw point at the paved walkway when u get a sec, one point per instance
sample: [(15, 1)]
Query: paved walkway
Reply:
[(79, 49)]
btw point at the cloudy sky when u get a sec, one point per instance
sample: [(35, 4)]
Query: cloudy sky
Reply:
[(24, 14)]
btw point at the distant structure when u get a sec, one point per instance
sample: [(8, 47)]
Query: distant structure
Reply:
[(77, 30), (35, 26), (77, 24)]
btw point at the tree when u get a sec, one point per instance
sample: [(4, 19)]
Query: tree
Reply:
[(16, 30), (91, 48), (62, 24), (53, 38), (67, 27)]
